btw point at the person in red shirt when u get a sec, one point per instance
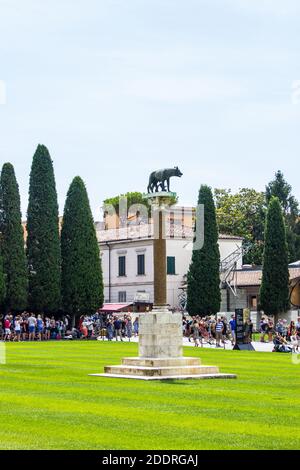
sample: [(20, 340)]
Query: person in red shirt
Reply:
[(7, 325)]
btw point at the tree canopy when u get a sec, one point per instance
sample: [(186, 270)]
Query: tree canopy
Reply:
[(203, 279), (43, 246), (274, 292), (12, 241), (82, 283)]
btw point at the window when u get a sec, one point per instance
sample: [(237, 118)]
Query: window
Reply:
[(122, 296), (122, 265), (171, 265), (140, 265), (253, 302)]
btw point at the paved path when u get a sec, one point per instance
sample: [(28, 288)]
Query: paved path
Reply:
[(261, 347)]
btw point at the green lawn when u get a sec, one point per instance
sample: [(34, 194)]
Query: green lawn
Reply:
[(48, 401)]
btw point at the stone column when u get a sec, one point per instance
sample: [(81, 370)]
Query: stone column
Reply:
[(160, 260), (160, 332)]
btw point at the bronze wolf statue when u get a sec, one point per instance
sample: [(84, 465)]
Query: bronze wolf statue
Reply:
[(160, 177)]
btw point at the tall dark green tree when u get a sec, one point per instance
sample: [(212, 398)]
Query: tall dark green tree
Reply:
[(82, 283), (2, 283), (281, 189), (274, 292), (12, 241), (203, 280), (43, 247)]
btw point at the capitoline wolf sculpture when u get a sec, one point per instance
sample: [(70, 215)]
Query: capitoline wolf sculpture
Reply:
[(159, 178)]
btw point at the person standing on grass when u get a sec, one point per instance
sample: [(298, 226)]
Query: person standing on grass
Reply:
[(219, 332), (263, 329), (224, 321), (1, 328), (248, 331), (297, 327), (17, 329), (24, 325), (117, 327), (39, 327), (109, 330), (270, 331), (232, 325), (52, 327), (136, 327), (31, 327), (129, 329), (84, 328), (196, 333), (291, 331), (7, 326), (47, 328)]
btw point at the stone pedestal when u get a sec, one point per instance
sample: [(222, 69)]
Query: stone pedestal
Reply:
[(160, 353), (160, 332), (160, 335)]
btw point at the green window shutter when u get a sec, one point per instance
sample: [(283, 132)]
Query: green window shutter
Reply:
[(141, 264), (122, 266), (171, 265)]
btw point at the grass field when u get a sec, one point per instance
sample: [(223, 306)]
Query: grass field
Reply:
[(48, 401)]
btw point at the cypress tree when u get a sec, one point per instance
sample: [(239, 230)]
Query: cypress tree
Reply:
[(203, 280), (274, 292), (2, 283), (13, 252), (82, 283), (43, 247)]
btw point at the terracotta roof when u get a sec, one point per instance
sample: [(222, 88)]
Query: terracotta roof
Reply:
[(146, 231), (253, 277)]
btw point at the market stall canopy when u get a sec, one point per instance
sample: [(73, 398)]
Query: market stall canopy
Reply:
[(117, 307)]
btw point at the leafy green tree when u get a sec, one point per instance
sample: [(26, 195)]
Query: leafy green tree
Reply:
[(43, 247), (133, 199), (274, 292), (12, 241), (82, 283), (281, 189), (243, 214), (203, 280)]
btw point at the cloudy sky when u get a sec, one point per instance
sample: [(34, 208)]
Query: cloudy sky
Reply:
[(118, 88)]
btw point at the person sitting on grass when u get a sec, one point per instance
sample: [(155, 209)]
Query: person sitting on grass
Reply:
[(281, 344)]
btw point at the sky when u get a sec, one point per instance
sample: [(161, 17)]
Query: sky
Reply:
[(118, 88)]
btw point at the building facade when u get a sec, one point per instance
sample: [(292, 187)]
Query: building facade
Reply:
[(127, 261)]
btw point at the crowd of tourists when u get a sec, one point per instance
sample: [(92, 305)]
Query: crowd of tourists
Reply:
[(31, 327), (214, 331), (119, 327), (285, 336)]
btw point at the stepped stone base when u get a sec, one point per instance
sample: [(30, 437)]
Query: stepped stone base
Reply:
[(163, 369), (160, 353)]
